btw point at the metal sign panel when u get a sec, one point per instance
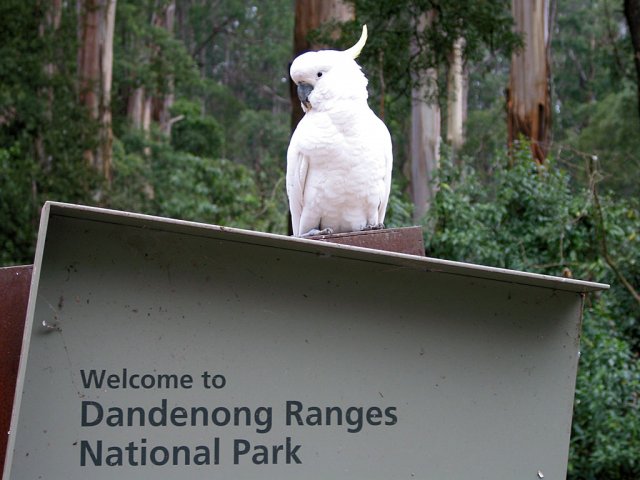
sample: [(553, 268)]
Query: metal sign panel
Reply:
[(157, 349)]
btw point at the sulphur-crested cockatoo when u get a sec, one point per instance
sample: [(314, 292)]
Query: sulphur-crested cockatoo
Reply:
[(339, 159)]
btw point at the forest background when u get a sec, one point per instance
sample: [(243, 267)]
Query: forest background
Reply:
[(183, 109)]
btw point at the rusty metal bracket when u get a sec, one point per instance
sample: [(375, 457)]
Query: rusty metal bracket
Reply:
[(14, 297)]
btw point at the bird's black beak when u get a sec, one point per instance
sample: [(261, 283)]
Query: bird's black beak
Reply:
[(304, 90)]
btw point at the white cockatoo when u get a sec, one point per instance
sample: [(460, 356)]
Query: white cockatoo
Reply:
[(340, 158)]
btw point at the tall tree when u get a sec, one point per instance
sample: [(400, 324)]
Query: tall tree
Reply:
[(153, 92), (457, 92), (134, 39), (96, 21), (529, 92), (165, 20), (425, 127), (49, 25), (632, 14)]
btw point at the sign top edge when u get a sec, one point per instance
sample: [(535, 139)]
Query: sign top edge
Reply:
[(318, 247)]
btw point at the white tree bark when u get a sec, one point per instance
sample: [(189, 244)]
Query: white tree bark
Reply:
[(147, 107), (96, 21), (49, 26), (457, 93), (143, 105), (135, 107), (425, 136), (167, 20), (105, 160)]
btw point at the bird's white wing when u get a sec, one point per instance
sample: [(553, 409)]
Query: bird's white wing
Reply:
[(297, 167), (388, 159)]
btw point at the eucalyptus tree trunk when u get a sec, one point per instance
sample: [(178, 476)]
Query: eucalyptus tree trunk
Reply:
[(143, 105), (166, 97), (48, 27), (457, 93), (136, 107), (96, 20), (632, 14), (529, 92), (310, 15), (425, 132)]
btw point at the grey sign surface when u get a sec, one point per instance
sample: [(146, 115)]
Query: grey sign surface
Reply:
[(161, 349)]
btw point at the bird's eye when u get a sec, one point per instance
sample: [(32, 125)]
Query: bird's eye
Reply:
[(319, 74)]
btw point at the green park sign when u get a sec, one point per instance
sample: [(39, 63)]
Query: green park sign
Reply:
[(163, 349)]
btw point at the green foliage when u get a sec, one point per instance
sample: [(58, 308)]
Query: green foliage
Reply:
[(156, 179), (606, 425), (620, 236), (482, 142), (220, 102), (260, 137), (195, 133), (131, 186), (610, 131), (233, 107), (400, 207), (591, 57), (259, 141), (39, 114), (243, 47), (204, 189), (594, 87), (242, 51), (16, 227), (521, 220)]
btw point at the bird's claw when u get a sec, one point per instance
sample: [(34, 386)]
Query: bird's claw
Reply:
[(378, 226), (314, 232)]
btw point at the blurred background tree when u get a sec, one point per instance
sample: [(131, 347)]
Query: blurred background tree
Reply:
[(191, 115)]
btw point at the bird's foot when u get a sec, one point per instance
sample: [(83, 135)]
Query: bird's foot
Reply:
[(315, 232), (378, 226)]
